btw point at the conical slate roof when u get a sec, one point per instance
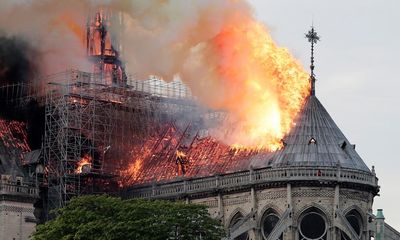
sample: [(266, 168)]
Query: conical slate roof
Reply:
[(315, 141)]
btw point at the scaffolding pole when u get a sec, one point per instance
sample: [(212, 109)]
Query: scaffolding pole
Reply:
[(87, 118)]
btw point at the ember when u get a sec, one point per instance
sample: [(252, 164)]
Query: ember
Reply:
[(180, 154), (163, 157), (13, 135)]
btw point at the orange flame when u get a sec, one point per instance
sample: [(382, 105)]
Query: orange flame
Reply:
[(180, 154), (139, 154), (84, 161), (133, 169), (265, 86), (71, 24)]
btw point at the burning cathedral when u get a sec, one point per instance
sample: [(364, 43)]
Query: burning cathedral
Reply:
[(103, 131)]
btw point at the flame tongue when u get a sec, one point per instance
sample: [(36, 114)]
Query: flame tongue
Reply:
[(180, 154), (86, 160), (265, 86)]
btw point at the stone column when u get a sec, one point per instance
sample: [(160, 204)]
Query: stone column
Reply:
[(289, 195), (220, 205), (290, 232), (253, 200), (254, 207), (336, 204), (370, 226)]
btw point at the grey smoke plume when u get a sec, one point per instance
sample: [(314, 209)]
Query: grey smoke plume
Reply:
[(217, 47), (48, 28), (159, 37)]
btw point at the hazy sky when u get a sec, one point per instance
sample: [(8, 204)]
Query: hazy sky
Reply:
[(357, 66)]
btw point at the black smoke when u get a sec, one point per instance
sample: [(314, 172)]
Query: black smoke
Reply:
[(16, 60), (18, 69)]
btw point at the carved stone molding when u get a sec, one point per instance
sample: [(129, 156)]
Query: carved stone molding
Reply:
[(209, 203), (356, 195), (235, 200), (273, 194), (8, 208), (315, 193)]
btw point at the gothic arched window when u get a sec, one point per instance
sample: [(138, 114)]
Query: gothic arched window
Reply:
[(268, 222), (312, 225), (355, 220)]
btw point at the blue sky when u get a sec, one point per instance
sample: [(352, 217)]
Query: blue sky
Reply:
[(357, 64)]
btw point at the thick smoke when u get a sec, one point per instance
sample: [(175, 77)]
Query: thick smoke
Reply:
[(158, 37), (17, 63), (36, 38), (216, 47), (52, 28), (17, 67)]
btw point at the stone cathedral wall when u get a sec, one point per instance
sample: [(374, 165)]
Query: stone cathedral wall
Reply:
[(17, 221), (226, 205)]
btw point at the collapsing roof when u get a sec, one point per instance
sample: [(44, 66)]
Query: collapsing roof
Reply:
[(13, 146), (314, 141)]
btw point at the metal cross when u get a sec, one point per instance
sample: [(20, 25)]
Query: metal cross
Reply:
[(313, 38)]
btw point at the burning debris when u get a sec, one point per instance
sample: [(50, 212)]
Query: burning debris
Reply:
[(84, 165), (173, 153), (13, 147), (13, 135), (181, 161)]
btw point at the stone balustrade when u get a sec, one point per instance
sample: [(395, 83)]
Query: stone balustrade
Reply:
[(248, 178), (14, 189)]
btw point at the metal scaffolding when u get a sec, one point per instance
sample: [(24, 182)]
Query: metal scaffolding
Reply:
[(14, 97), (90, 128)]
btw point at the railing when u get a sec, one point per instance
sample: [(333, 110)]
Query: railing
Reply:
[(6, 188), (247, 178)]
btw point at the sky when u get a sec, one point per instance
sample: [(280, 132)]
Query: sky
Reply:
[(357, 66)]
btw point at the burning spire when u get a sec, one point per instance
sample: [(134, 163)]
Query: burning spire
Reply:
[(103, 48), (313, 38)]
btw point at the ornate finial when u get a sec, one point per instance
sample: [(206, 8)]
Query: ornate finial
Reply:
[(313, 38)]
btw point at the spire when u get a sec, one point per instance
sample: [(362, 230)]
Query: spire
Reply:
[(313, 38)]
